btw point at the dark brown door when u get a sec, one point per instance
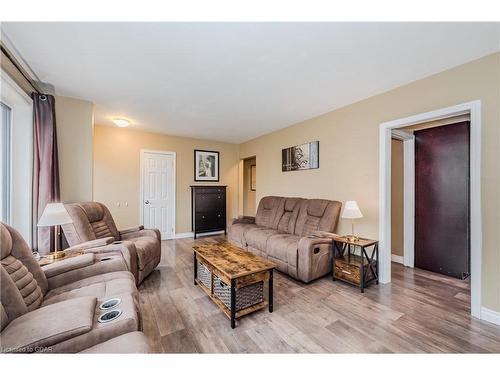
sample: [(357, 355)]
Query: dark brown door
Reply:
[(442, 224)]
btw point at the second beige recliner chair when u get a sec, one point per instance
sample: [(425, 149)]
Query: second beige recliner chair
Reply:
[(93, 221)]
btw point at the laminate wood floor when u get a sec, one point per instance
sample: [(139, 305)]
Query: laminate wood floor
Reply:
[(418, 312)]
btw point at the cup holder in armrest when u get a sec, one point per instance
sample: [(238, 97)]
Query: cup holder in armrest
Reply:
[(103, 259), (110, 303), (109, 316), (316, 250)]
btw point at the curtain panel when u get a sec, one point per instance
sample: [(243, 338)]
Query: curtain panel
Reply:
[(45, 167)]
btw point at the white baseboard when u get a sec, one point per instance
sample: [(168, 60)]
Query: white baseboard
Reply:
[(184, 235), (397, 258), (490, 316)]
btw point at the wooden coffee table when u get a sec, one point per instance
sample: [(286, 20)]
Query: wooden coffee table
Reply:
[(238, 269)]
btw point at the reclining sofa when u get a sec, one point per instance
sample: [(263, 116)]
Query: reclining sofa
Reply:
[(92, 221), (290, 232), (56, 308)]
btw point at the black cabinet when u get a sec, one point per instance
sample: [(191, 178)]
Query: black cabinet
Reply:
[(208, 209)]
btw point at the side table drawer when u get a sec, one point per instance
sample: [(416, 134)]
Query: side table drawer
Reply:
[(347, 272)]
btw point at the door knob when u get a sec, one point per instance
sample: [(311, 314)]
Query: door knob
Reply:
[(146, 202)]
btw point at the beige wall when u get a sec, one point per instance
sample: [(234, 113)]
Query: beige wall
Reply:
[(117, 171), (75, 123), (349, 152), (397, 178), (248, 195)]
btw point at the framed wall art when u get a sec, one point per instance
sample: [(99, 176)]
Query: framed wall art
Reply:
[(206, 165), (305, 156)]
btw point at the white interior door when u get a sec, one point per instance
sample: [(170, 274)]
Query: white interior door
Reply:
[(158, 192)]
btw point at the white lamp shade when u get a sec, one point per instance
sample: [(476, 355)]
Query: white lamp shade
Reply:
[(54, 214), (351, 210)]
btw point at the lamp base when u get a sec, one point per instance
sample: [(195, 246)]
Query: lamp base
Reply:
[(56, 255), (352, 238)]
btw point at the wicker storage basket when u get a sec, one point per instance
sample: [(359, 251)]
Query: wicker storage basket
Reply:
[(245, 297), (204, 275)]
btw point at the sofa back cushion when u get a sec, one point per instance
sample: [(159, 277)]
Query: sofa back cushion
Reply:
[(23, 283), (12, 302), (91, 220), (287, 214), (267, 211), (317, 214)]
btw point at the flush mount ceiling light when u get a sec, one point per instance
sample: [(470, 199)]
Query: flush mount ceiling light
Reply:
[(121, 122)]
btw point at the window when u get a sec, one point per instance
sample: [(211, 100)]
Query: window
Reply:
[(16, 156), (5, 130)]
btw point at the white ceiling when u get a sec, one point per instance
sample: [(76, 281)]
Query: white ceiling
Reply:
[(235, 81)]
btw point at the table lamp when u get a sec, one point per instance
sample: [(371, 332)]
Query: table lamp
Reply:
[(352, 211), (54, 215)]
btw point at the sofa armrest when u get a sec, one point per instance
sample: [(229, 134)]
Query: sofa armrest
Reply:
[(323, 234), (314, 257), (38, 330), (126, 248), (244, 220), (141, 233), (69, 264), (131, 229), (91, 244)]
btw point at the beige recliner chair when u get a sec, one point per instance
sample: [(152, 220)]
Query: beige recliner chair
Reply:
[(56, 308), (93, 221)]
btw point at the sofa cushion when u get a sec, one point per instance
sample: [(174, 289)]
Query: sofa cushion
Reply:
[(237, 231), (267, 211), (24, 281), (317, 214), (282, 249), (13, 244), (127, 322), (257, 237), (114, 263), (49, 325), (129, 343), (91, 220), (68, 264), (289, 213), (101, 286), (13, 304)]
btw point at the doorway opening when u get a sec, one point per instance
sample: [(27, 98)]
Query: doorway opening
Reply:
[(248, 183), (404, 130), (157, 191)]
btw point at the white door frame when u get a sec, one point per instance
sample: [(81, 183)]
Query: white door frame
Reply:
[(408, 195), (386, 128), (141, 189)]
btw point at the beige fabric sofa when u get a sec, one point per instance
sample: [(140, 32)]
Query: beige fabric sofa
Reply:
[(40, 315), (92, 221), (287, 231)]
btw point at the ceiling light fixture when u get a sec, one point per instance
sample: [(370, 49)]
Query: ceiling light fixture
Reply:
[(121, 122)]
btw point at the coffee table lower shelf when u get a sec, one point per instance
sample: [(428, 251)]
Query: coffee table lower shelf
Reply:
[(225, 309)]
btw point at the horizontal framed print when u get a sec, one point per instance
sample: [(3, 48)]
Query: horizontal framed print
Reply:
[(305, 156), (206, 165)]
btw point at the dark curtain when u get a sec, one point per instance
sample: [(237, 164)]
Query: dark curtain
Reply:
[(45, 167)]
